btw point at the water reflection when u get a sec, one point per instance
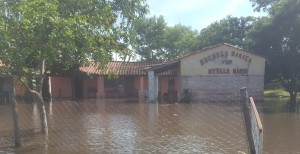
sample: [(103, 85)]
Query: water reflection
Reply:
[(153, 111), (281, 127), (279, 105)]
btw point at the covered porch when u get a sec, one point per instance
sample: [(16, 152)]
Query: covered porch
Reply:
[(118, 80), (155, 83)]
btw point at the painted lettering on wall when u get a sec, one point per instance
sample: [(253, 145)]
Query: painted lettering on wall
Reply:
[(213, 56), (225, 54), (240, 71), (235, 71), (218, 71), (227, 62), (241, 56)]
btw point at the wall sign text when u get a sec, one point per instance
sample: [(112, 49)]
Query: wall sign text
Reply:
[(234, 71), (225, 54)]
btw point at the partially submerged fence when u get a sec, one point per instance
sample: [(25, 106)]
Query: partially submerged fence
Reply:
[(133, 126), (253, 125)]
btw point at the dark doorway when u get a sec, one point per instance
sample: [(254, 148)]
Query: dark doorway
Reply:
[(171, 85), (45, 90), (129, 87), (172, 92), (78, 88)]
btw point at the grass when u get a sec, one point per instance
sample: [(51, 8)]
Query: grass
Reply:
[(277, 93)]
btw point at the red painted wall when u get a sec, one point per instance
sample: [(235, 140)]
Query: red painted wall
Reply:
[(60, 87), (90, 88)]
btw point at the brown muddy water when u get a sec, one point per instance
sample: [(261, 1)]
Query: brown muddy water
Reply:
[(135, 126), (281, 127)]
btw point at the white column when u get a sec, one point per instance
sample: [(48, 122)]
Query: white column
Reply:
[(152, 85)]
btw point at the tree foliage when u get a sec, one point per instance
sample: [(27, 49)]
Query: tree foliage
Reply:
[(157, 41), (278, 38), (264, 5), (64, 33), (229, 30), (180, 40), (150, 38)]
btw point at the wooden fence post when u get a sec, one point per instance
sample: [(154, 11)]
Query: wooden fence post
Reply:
[(253, 124)]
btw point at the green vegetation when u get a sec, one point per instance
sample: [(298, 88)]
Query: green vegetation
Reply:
[(277, 37), (157, 41), (62, 34), (276, 93), (230, 30)]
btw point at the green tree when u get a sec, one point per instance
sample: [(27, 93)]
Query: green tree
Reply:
[(180, 40), (150, 38), (38, 33), (278, 38), (229, 30), (264, 5), (157, 41)]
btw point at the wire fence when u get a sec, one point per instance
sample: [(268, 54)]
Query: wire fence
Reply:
[(127, 126)]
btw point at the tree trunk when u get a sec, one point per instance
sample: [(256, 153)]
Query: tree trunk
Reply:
[(41, 106), (42, 111), (14, 107), (37, 95), (41, 103), (293, 101)]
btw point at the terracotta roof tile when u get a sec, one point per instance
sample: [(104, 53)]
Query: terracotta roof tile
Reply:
[(123, 68)]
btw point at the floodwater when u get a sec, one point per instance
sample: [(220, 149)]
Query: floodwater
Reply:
[(281, 127), (134, 126)]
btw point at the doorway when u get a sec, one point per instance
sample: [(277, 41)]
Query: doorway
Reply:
[(78, 88), (129, 89)]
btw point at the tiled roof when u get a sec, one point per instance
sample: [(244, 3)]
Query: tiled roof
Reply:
[(123, 68)]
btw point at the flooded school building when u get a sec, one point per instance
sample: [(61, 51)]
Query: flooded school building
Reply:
[(216, 71)]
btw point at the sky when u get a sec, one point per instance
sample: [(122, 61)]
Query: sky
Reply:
[(199, 14)]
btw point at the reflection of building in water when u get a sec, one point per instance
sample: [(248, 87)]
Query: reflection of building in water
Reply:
[(216, 71)]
